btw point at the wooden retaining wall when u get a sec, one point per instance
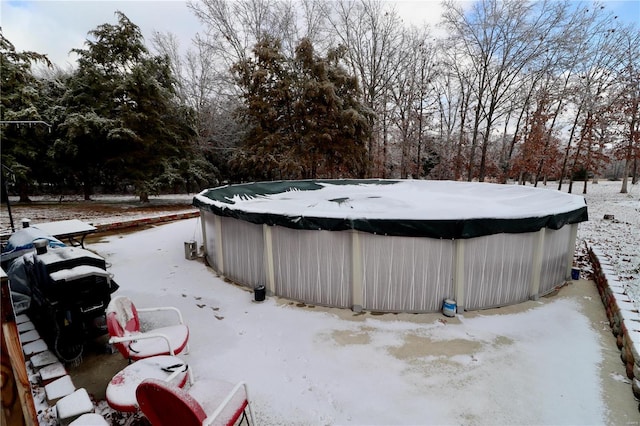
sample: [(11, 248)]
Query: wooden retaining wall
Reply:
[(133, 223)]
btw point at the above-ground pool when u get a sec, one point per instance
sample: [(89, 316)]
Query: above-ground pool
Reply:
[(392, 245)]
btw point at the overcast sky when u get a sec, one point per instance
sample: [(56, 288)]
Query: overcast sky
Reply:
[(55, 27)]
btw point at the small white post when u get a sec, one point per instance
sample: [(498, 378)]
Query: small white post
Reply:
[(356, 271), (571, 250), (268, 259), (536, 267), (217, 223), (204, 234), (458, 274)]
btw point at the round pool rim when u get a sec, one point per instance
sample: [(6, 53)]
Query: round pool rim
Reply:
[(382, 263), (234, 201)]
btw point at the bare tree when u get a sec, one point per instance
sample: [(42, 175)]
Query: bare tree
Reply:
[(233, 27), (591, 91), (629, 101), (204, 87), (448, 99), (500, 39), (455, 94), (413, 99), (373, 38), (513, 80)]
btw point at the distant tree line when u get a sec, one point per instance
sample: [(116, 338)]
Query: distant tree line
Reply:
[(504, 90)]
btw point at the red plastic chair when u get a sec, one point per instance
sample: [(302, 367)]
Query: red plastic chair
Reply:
[(133, 343), (206, 402)]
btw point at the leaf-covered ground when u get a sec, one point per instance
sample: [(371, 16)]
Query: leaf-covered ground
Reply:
[(101, 209)]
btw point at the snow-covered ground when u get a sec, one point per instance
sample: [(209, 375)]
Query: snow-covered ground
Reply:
[(323, 366), (101, 209), (538, 363), (619, 236)]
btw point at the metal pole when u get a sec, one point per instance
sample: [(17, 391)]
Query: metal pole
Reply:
[(5, 191), (5, 188)]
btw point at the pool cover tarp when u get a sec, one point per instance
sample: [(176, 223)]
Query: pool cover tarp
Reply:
[(399, 209)]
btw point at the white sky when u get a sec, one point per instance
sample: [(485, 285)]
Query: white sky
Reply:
[(55, 27)]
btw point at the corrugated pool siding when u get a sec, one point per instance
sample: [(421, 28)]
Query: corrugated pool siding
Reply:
[(555, 259), (243, 248), (313, 266), (498, 269), (359, 270), (406, 274), (211, 236)]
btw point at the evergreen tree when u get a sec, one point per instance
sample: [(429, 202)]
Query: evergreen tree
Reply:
[(304, 115), (23, 145), (331, 121), (124, 123)]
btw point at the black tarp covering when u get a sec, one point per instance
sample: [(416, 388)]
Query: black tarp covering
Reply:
[(431, 228)]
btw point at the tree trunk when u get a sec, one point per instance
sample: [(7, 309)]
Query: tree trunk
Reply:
[(474, 145), (464, 106), (568, 150), (86, 190), (507, 162), (23, 191), (483, 158), (625, 176), (628, 155), (385, 136)]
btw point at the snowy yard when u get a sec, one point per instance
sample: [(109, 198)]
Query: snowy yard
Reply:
[(551, 361), (619, 238), (539, 363)]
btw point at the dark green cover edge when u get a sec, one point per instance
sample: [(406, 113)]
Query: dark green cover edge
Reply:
[(445, 229)]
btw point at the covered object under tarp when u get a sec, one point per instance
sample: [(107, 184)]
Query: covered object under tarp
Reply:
[(392, 245)]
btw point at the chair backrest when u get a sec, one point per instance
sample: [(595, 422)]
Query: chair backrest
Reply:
[(165, 404), (122, 319)]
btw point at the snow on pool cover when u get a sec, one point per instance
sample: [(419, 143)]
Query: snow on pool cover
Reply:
[(438, 209)]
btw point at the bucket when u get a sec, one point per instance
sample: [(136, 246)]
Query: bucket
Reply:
[(575, 273), (259, 293), (449, 307)]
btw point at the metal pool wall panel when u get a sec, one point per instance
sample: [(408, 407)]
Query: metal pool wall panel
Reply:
[(498, 269), (243, 251), (406, 274), (361, 270), (313, 266), (211, 239), (555, 259)]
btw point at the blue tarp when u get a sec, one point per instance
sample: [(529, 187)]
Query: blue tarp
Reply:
[(22, 240)]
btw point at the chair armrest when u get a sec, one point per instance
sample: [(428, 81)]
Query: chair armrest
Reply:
[(142, 336), (163, 308), (212, 417)]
